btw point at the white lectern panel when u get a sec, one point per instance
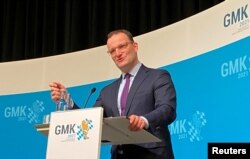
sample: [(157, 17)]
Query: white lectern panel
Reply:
[(75, 134)]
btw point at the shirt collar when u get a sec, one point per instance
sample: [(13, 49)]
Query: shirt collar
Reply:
[(134, 70)]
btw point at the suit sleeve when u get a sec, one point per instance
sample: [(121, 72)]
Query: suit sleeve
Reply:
[(165, 101)]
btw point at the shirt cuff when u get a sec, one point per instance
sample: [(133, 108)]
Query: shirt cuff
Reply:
[(146, 122)]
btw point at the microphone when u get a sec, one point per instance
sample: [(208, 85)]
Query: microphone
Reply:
[(91, 92)]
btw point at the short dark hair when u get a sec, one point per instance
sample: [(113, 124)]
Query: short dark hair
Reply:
[(129, 35)]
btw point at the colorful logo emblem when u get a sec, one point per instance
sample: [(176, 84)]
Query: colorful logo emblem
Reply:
[(83, 129)]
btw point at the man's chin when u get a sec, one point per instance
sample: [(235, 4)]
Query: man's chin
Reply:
[(121, 66)]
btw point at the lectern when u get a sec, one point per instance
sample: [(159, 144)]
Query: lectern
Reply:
[(80, 133)]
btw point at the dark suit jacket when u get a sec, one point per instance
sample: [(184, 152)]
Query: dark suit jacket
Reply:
[(151, 95)]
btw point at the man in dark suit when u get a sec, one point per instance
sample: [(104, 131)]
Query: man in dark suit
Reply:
[(149, 103)]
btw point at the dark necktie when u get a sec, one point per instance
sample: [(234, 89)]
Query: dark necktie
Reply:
[(125, 94)]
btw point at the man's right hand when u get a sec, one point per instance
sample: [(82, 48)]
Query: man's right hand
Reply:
[(56, 89)]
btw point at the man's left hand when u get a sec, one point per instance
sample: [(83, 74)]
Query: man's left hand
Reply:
[(136, 123)]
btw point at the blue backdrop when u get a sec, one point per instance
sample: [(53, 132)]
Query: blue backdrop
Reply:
[(213, 106)]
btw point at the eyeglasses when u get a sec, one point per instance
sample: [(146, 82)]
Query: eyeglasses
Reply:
[(119, 47)]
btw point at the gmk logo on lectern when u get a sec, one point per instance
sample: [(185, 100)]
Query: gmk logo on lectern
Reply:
[(75, 131)]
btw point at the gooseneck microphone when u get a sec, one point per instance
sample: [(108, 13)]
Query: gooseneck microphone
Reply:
[(91, 92)]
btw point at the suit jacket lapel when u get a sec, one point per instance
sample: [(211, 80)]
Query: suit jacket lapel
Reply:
[(140, 77), (115, 96)]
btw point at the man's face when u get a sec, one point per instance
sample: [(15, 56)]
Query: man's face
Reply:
[(123, 51)]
